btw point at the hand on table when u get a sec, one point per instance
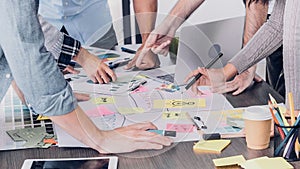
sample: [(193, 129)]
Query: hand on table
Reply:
[(131, 138), (97, 70), (158, 42), (242, 81), (150, 60)]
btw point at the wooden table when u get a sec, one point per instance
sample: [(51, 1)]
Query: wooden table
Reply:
[(179, 155)]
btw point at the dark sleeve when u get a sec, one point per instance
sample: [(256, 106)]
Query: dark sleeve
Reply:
[(69, 49)]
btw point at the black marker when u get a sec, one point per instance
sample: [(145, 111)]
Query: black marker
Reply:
[(128, 50), (199, 74)]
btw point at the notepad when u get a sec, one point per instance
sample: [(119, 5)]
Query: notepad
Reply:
[(265, 162), (211, 146), (229, 161)]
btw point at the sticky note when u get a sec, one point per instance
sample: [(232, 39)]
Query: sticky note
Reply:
[(103, 100), (229, 161), (41, 117), (211, 146), (181, 128), (99, 111), (265, 162), (174, 115), (140, 89), (180, 103), (130, 110)]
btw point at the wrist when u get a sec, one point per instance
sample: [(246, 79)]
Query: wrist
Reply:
[(229, 71), (80, 57)]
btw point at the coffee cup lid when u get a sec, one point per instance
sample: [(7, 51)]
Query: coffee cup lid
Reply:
[(257, 113)]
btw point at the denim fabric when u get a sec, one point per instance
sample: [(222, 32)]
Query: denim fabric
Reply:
[(85, 20), (32, 66)]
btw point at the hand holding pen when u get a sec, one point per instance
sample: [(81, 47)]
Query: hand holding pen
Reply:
[(196, 74)]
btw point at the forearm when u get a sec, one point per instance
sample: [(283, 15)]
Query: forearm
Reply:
[(77, 124), (181, 11), (256, 15), (145, 12), (267, 39)]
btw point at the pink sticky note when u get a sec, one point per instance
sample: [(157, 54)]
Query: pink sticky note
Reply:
[(99, 111), (140, 89), (181, 128)]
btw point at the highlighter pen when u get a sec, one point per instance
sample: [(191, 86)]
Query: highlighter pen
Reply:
[(199, 74), (128, 50)]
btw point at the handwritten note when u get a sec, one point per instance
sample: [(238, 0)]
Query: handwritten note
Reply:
[(180, 103), (181, 128), (174, 115), (103, 100), (99, 111)]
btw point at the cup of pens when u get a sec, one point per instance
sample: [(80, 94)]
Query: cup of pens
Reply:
[(286, 142), (258, 123)]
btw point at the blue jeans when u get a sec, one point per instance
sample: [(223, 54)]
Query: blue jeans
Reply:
[(24, 58)]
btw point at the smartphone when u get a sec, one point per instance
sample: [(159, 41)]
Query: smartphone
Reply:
[(110, 162)]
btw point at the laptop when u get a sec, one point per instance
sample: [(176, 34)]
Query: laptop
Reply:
[(200, 43)]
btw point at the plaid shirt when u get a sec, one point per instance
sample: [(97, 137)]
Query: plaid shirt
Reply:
[(69, 49)]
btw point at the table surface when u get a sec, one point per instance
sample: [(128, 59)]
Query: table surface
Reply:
[(179, 155)]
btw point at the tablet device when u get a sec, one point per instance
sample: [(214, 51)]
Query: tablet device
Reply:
[(72, 163)]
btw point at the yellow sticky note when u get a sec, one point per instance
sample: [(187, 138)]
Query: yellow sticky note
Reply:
[(103, 100), (228, 161), (179, 103), (174, 115), (40, 117), (211, 146), (265, 162), (130, 110)]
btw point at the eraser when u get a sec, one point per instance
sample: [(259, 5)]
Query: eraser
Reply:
[(212, 136)]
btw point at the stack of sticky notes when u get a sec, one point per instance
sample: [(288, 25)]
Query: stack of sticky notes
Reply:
[(229, 162), (266, 162), (257, 163), (211, 146)]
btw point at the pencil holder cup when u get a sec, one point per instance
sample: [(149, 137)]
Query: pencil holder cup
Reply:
[(286, 142)]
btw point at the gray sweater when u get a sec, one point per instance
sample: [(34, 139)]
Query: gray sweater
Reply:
[(283, 27)]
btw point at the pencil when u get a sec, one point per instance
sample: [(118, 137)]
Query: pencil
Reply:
[(276, 121), (292, 111)]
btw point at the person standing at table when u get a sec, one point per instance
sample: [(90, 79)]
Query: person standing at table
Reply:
[(90, 21), (160, 38), (24, 58), (283, 27)]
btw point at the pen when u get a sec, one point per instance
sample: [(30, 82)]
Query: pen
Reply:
[(199, 74), (128, 50)]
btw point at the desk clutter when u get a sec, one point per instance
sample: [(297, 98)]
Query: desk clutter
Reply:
[(139, 97)]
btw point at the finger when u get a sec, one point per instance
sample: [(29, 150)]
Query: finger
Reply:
[(82, 96), (70, 69), (141, 56), (132, 63), (143, 126), (257, 78), (111, 74), (104, 77), (191, 75), (153, 138), (98, 79), (159, 49), (240, 90)]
